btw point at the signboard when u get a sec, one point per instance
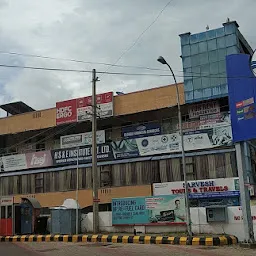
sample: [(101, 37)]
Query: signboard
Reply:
[(81, 139), (211, 188), (242, 91), (6, 200), (18, 162), (216, 136), (77, 110), (66, 112), (143, 130), (198, 110), (69, 156), (148, 210)]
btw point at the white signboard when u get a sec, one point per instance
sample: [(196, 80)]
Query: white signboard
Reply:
[(209, 188), (6, 200), (13, 162), (81, 139), (169, 143)]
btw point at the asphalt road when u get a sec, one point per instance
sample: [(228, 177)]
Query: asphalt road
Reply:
[(10, 249), (97, 249)]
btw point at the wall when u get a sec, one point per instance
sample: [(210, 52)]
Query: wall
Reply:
[(234, 226), (85, 196), (199, 224), (105, 224), (28, 121), (151, 99), (130, 103), (204, 53)]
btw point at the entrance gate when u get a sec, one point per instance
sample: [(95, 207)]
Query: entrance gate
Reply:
[(6, 216)]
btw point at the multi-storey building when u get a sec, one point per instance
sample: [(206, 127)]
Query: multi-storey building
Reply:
[(138, 144)]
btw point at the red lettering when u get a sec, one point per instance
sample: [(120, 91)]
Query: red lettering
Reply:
[(225, 188), (237, 218)]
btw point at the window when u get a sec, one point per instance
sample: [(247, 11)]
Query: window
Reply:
[(39, 183)]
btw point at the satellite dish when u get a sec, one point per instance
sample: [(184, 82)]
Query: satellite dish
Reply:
[(253, 63)]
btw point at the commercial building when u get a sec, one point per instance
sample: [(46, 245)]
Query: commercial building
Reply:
[(138, 141)]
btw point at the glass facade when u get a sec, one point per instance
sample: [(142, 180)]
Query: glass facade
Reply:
[(204, 64)]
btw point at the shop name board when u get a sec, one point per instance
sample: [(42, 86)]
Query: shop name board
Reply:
[(144, 130), (195, 111), (81, 155), (81, 139), (200, 189)]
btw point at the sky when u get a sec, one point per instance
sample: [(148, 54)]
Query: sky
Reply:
[(101, 31)]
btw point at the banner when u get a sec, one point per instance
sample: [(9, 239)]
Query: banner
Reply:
[(210, 188), (81, 139), (146, 210), (218, 135), (144, 130), (77, 110), (18, 162), (69, 156), (202, 139)]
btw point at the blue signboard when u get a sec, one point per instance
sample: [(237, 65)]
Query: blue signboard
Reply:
[(146, 210), (66, 156), (242, 91), (143, 130)]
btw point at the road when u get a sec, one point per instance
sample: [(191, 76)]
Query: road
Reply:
[(97, 249)]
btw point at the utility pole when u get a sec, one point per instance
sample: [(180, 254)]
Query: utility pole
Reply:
[(77, 189), (94, 156), (244, 192)]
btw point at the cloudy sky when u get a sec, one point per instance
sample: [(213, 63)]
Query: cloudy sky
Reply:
[(101, 31)]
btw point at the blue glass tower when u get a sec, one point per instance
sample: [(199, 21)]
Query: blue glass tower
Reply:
[(204, 60)]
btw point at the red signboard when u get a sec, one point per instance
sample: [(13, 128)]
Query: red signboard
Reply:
[(80, 109), (39, 159), (66, 112)]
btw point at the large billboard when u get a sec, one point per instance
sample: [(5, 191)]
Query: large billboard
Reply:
[(78, 110), (241, 91), (216, 135), (148, 210)]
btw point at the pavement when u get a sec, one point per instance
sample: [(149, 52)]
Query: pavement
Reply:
[(107, 249)]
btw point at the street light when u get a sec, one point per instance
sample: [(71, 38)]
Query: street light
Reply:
[(188, 219)]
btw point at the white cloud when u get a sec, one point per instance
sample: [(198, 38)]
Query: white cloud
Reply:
[(99, 31)]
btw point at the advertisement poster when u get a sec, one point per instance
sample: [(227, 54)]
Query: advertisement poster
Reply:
[(66, 112), (210, 188), (69, 156), (202, 139), (125, 148), (32, 160), (148, 210), (81, 139), (13, 163), (143, 130), (78, 110)]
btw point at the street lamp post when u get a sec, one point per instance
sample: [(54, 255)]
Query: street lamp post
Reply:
[(188, 217)]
